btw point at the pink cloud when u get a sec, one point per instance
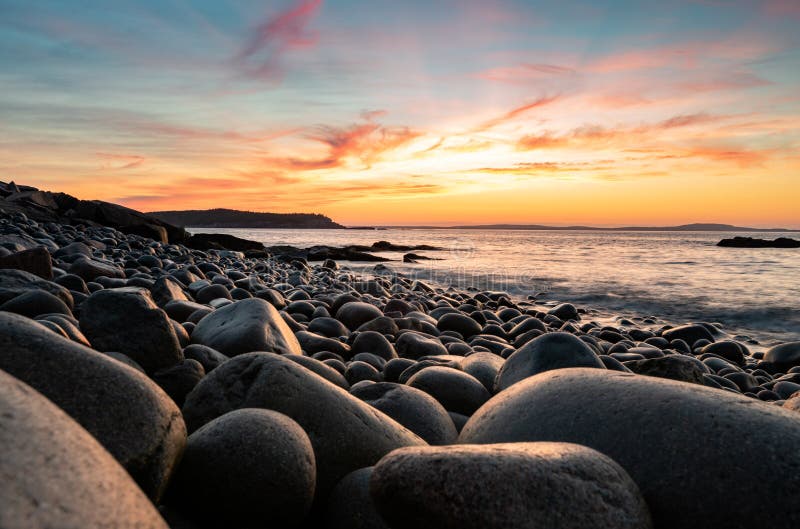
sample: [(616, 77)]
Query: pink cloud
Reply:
[(523, 73), (120, 161), (288, 30)]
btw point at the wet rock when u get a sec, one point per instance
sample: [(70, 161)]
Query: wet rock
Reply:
[(565, 312), (689, 333), (784, 356)]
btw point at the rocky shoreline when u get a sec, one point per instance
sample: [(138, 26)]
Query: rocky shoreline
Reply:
[(145, 383)]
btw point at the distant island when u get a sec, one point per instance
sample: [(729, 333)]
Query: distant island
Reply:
[(540, 227), (231, 218)]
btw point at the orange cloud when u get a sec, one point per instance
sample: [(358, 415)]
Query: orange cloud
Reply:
[(365, 142), (516, 112)]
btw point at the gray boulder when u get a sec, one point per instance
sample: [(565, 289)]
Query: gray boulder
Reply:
[(660, 432), (55, 474), (454, 389), (249, 467), (128, 321), (123, 409), (346, 433), (244, 326), (555, 350), (533, 485), (411, 407)]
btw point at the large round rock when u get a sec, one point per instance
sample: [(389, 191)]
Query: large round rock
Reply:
[(122, 408), (346, 433), (460, 323), (244, 326), (414, 409), (660, 432), (454, 389), (784, 356), (55, 474), (127, 320), (521, 485), (246, 467), (555, 350), (356, 313)]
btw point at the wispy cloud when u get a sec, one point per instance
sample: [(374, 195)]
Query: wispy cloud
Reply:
[(364, 142), (524, 73), (262, 55), (517, 112), (120, 161)]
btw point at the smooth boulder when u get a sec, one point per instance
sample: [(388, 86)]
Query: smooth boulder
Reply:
[(245, 468), (555, 350), (520, 485), (55, 474), (454, 389), (691, 449), (245, 326), (128, 321), (122, 408), (411, 407), (346, 433)]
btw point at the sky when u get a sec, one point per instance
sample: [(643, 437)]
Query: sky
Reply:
[(387, 112)]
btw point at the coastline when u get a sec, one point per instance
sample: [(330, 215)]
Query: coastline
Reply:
[(362, 371)]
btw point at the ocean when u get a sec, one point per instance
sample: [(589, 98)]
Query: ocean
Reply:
[(675, 277)]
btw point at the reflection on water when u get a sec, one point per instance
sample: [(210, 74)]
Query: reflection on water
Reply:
[(678, 276)]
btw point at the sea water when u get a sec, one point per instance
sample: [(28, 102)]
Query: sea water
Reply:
[(674, 276)]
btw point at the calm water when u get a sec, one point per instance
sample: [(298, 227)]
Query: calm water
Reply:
[(675, 276)]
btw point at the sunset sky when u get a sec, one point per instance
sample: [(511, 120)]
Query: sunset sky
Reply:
[(411, 112)]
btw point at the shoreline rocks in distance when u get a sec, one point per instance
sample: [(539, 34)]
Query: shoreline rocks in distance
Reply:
[(750, 242)]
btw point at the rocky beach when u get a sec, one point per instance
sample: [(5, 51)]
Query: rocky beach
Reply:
[(151, 379)]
